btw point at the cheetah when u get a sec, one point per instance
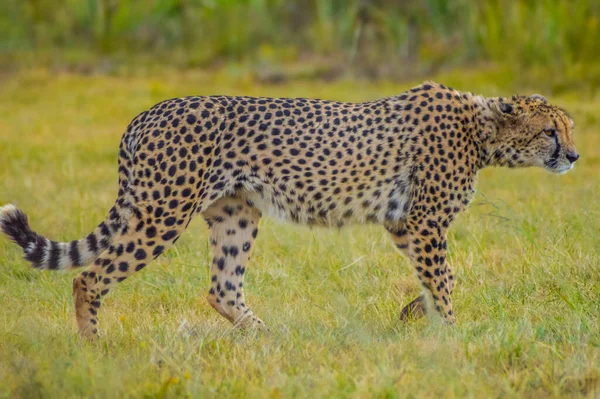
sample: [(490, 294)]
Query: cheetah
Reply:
[(407, 162)]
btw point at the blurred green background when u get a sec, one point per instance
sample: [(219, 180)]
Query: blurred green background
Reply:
[(552, 44)]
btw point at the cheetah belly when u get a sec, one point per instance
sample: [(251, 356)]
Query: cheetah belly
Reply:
[(379, 205)]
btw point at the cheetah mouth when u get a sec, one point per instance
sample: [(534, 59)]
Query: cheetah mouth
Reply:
[(559, 170), (554, 165), (565, 170)]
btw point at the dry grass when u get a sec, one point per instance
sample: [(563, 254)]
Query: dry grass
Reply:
[(526, 254)]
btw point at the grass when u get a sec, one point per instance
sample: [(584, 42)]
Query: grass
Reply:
[(526, 255)]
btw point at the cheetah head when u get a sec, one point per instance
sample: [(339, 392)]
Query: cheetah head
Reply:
[(532, 132)]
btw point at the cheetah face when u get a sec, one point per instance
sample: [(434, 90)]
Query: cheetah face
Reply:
[(536, 133)]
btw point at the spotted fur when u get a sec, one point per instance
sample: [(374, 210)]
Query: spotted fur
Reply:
[(408, 163)]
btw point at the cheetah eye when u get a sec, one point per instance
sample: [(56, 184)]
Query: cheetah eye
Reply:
[(550, 132)]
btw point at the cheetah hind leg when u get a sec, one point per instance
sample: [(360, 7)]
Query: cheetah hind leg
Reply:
[(233, 225), (130, 251)]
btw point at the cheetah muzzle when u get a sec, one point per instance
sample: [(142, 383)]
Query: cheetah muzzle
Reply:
[(408, 163)]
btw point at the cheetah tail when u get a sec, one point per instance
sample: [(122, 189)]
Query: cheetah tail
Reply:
[(51, 255)]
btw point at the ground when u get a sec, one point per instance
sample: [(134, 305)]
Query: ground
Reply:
[(526, 256)]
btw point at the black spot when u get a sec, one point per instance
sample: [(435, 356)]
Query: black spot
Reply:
[(140, 254), (229, 210), (130, 247), (158, 250), (151, 232), (123, 267), (170, 221), (169, 235)]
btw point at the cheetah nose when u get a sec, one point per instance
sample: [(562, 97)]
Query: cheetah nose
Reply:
[(572, 156)]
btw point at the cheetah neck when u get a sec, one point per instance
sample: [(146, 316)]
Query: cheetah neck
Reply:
[(486, 132)]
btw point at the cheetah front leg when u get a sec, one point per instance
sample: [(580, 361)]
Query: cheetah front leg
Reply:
[(233, 225), (423, 240), (417, 308)]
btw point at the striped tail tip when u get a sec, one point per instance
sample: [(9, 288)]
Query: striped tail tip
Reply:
[(47, 254), (14, 223)]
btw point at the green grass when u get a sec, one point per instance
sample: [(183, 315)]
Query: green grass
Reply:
[(526, 256)]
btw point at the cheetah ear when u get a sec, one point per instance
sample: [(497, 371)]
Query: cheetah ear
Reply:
[(539, 97), (506, 108), (501, 109)]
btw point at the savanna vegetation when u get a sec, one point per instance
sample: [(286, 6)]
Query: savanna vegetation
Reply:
[(74, 73), (275, 40)]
